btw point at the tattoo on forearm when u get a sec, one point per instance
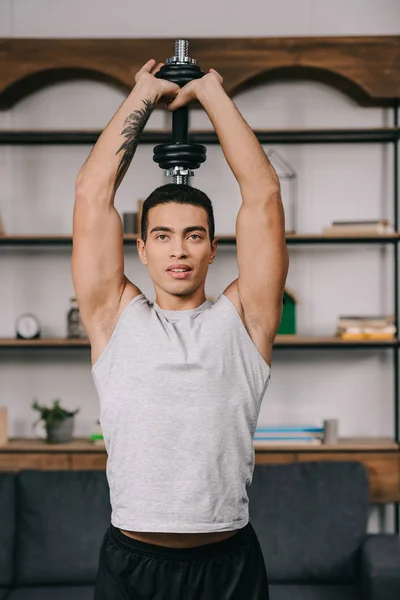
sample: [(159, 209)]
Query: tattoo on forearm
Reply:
[(133, 127)]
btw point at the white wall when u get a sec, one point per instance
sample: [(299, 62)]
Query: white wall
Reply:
[(338, 181)]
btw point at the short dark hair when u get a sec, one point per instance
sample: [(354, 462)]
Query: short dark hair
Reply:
[(183, 194)]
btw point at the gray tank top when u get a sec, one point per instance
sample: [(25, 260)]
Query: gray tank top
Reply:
[(180, 393)]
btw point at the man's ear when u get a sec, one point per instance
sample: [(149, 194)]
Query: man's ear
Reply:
[(141, 248)]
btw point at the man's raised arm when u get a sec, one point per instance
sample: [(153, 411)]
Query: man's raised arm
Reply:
[(97, 255), (260, 227)]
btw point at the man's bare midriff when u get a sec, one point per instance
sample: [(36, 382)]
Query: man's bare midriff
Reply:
[(179, 540)]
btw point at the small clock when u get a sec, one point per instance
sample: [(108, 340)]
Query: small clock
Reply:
[(27, 327)]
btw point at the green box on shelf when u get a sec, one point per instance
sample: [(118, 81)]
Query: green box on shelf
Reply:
[(288, 321)]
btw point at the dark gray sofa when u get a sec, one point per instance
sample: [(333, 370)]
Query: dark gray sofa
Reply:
[(310, 518)]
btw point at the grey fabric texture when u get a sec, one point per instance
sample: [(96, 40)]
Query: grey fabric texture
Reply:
[(71, 592), (311, 519), (63, 516), (381, 567), (7, 527), (315, 592), (180, 393)]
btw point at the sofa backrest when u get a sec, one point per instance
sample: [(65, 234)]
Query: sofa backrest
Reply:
[(311, 519), (62, 517), (7, 527)]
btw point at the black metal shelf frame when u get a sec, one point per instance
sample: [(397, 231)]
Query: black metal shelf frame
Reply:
[(396, 294), (45, 241), (396, 271)]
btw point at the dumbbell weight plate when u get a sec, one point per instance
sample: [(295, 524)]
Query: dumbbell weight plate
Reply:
[(179, 73), (185, 155)]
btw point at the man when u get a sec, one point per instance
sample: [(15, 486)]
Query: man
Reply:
[(180, 381)]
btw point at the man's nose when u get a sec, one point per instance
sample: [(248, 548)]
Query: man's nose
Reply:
[(179, 249)]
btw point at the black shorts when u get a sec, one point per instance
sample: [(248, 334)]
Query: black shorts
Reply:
[(231, 569)]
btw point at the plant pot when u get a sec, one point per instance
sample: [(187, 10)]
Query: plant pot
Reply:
[(61, 431)]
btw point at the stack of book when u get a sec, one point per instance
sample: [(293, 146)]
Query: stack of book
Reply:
[(378, 227), (367, 327), (271, 436)]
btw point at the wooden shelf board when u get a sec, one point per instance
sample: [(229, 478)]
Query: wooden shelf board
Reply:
[(39, 445), (344, 445), (298, 340), (340, 236), (39, 237), (371, 444), (206, 131), (62, 342), (287, 340)]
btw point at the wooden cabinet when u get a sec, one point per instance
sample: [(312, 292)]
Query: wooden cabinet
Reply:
[(381, 458)]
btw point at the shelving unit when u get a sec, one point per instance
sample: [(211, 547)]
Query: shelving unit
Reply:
[(354, 65)]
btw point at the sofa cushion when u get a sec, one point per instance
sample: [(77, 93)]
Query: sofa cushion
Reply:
[(313, 592), (73, 592), (311, 519), (7, 527), (63, 516)]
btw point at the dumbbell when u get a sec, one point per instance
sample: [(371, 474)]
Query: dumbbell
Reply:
[(180, 157)]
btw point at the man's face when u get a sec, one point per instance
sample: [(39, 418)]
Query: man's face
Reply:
[(177, 234)]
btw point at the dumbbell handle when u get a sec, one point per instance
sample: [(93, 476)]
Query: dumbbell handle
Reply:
[(180, 69), (180, 125)]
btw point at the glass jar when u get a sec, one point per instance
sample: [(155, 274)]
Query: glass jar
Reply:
[(74, 324)]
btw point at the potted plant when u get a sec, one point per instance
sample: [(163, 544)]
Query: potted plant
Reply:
[(58, 421)]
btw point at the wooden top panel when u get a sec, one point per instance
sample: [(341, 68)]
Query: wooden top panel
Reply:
[(366, 68), (83, 445)]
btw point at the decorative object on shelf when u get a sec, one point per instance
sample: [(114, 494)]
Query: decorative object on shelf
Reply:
[(180, 157), (366, 327), (75, 326), (3, 426), (288, 321), (97, 436), (129, 221), (288, 181), (58, 421), (331, 431), (381, 226), (27, 327)]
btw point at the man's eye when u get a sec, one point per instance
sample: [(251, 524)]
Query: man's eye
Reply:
[(162, 235)]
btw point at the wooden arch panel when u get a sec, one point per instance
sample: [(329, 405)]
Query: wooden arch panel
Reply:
[(366, 68)]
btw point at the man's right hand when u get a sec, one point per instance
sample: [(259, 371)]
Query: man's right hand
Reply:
[(161, 88)]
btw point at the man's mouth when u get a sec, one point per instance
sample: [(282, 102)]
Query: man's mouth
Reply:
[(179, 273)]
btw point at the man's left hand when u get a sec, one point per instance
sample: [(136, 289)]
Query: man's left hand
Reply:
[(192, 90)]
